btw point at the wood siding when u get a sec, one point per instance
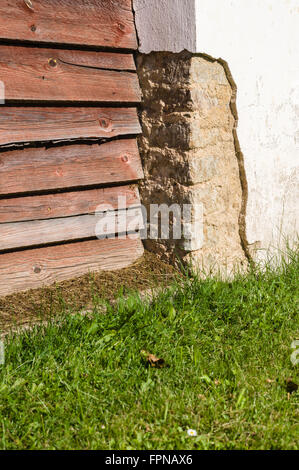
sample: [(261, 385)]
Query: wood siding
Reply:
[(68, 150), (31, 170), (22, 124), (49, 206), (43, 75), (31, 269), (106, 23)]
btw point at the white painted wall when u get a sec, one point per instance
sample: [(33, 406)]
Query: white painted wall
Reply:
[(259, 39)]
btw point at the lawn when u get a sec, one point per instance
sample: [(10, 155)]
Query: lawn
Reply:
[(83, 383)]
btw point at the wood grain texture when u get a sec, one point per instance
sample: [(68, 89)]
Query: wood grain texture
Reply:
[(31, 269), (31, 170), (43, 75), (44, 232), (70, 204), (33, 124), (107, 23)]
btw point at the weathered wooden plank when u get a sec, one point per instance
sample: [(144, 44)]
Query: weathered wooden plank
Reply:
[(106, 23), (70, 204), (31, 269), (37, 74), (49, 59), (44, 232), (23, 124), (31, 170)]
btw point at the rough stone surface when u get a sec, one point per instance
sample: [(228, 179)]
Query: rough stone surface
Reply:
[(189, 155)]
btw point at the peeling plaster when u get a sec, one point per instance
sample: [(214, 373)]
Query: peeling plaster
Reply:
[(240, 158), (239, 155), (257, 43)]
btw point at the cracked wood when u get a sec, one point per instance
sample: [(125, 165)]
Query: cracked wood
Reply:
[(49, 206), (106, 23), (33, 124), (44, 232), (43, 75), (40, 169)]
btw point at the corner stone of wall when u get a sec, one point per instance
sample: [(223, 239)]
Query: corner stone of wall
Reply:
[(189, 154)]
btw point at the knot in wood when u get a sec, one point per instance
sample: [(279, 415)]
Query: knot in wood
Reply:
[(29, 4)]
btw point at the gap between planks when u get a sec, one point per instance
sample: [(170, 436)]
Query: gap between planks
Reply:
[(32, 170), (19, 235), (41, 124), (43, 75), (67, 204)]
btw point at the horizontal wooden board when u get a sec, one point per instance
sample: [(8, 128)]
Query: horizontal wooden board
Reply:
[(43, 75), (44, 232), (31, 269), (33, 124), (39, 169), (107, 23), (70, 204)]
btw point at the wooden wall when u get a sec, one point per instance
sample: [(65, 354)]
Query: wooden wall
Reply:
[(67, 137)]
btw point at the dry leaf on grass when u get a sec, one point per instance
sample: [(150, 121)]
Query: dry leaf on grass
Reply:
[(202, 397), (152, 360)]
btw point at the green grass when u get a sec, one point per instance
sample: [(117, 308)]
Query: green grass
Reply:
[(83, 384)]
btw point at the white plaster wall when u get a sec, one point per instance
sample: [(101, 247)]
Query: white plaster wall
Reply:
[(259, 39)]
